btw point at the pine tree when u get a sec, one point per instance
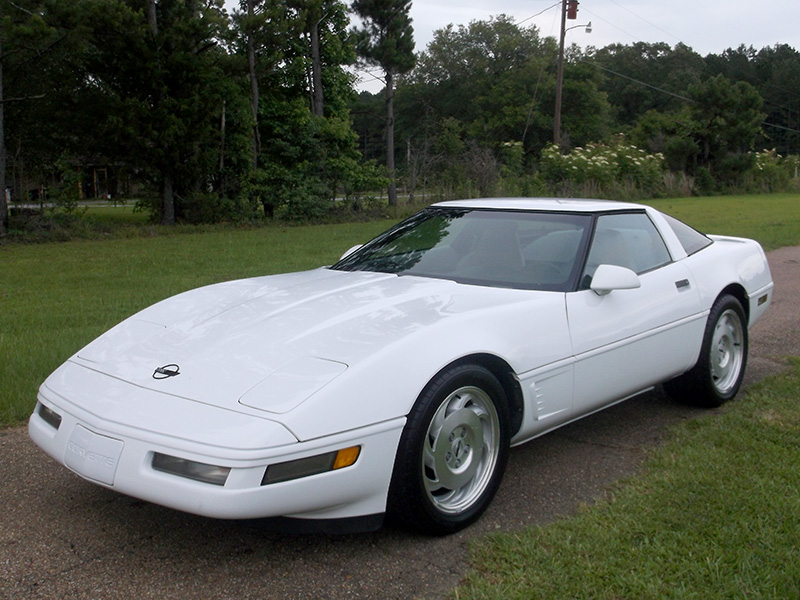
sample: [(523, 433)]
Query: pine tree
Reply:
[(387, 40)]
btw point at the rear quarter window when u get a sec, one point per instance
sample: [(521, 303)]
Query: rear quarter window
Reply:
[(691, 239)]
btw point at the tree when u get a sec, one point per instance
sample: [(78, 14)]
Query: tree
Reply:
[(298, 50), (728, 117), (671, 134), (482, 88), (157, 87), (387, 40), (487, 75), (775, 73), (42, 45), (3, 200), (251, 71), (265, 27), (647, 76)]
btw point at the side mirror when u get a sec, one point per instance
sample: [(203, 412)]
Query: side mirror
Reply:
[(608, 278), (350, 251)]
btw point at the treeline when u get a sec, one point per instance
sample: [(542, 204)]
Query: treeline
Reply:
[(475, 116), (205, 115)]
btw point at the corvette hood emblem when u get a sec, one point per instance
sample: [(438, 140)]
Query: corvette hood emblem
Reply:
[(166, 371)]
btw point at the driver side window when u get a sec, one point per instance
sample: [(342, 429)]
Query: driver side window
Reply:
[(627, 240)]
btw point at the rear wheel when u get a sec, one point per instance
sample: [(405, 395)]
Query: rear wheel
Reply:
[(452, 452), (719, 372)]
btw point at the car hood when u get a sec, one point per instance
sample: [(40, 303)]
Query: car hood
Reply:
[(270, 343)]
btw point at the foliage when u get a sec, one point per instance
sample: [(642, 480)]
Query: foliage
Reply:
[(157, 95), (728, 117), (647, 76), (41, 42), (386, 39), (601, 168), (497, 80), (67, 193), (772, 172), (479, 90), (775, 73), (710, 138), (161, 112), (308, 154), (671, 134)]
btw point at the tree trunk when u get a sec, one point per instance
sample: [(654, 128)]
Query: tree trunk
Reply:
[(316, 71), (390, 138), (251, 66), (167, 183), (3, 202), (221, 183), (167, 200), (151, 17)]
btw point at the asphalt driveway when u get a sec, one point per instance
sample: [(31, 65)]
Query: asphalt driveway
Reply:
[(61, 537)]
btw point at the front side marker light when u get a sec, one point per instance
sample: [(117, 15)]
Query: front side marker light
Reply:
[(50, 416), (190, 469), (313, 465)]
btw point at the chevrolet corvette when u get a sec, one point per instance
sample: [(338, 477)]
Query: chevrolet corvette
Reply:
[(394, 382)]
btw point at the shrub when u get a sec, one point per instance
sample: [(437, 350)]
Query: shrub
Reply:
[(770, 172), (617, 169)]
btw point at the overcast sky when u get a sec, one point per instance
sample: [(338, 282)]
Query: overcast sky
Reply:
[(708, 26), (705, 25)]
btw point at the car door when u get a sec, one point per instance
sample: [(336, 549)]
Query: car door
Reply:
[(627, 340)]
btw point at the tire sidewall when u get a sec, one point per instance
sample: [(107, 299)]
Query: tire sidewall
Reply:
[(408, 498), (721, 306)]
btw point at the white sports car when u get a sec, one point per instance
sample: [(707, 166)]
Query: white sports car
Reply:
[(395, 381)]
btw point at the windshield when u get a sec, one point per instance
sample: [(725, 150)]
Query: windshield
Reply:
[(525, 250)]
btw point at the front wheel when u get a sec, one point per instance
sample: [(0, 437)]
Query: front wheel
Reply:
[(719, 372), (452, 453)]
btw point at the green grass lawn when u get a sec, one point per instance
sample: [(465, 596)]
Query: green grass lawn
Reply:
[(716, 513), (57, 297), (772, 219)]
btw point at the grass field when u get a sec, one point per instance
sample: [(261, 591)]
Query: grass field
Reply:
[(772, 219), (56, 297), (715, 514)]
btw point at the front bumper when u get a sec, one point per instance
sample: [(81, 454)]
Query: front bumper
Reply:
[(120, 457)]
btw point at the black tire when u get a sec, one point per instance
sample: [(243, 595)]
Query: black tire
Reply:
[(452, 452), (718, 374)]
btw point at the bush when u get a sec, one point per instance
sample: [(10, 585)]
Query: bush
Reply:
[(770, 172), (618, 169)]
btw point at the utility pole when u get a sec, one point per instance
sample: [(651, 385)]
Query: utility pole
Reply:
[(560, 74), (569, 10)]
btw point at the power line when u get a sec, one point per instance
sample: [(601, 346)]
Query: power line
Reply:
[(645, 20), (541, 12), (673, 94), (644, 83)]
